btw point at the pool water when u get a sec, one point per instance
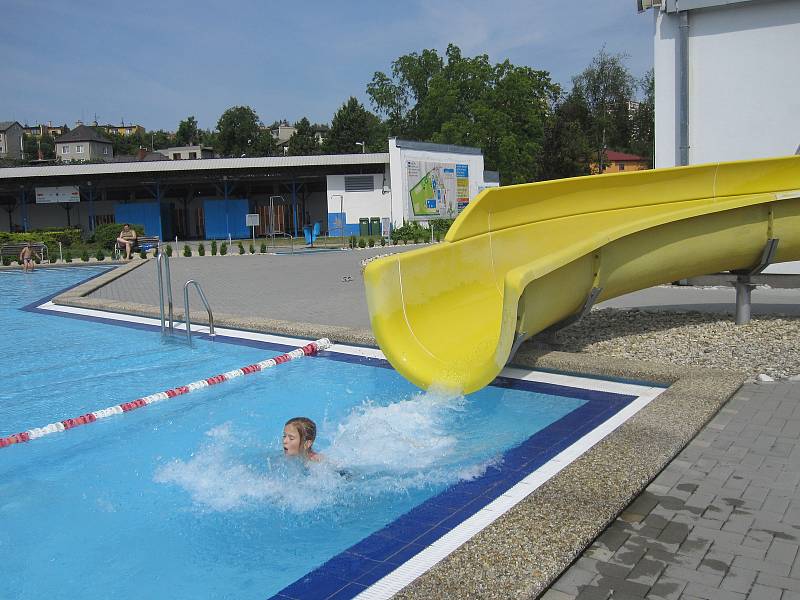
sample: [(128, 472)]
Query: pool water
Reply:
[(192, 497)]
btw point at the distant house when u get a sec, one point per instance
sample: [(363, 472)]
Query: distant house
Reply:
[(42, 130), (187, 152), (83, 143), (283, 131), (617, 162), (10, 139), (123, 129)]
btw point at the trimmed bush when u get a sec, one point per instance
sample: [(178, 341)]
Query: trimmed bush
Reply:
[(100, 254), (362, 243), (68, 256), (383, 242), (241, 248), (201, 250), (168, 251), (352, 240), (106, 234), (53, 259), (263, 247), (186, 250), (371, 242), (213, 247), (6, 261), (223, 249), (252, 248), (143, 254), (85, 256)]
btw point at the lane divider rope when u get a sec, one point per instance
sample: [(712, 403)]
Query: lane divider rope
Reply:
[(37, 432)]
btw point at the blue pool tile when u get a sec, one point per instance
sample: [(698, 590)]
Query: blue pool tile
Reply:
[(313, 588), (430, 536), (377, 547), (378, 573), (405, 528), (404, 554), (351, 590), (347, 566), (432, 512)]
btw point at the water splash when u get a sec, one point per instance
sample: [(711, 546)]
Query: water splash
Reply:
[(415, 443)]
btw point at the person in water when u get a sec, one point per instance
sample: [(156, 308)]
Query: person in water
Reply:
[(299, 434)]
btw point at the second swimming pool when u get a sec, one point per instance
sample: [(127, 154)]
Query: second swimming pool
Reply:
[(193, 498)]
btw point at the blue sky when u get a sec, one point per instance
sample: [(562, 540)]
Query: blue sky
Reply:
[(155, 63)]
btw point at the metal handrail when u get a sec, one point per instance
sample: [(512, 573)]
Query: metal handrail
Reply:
[(162, 258), (186, 309), (284, 234)]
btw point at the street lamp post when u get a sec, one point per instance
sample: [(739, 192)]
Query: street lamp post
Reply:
[(363, 147)]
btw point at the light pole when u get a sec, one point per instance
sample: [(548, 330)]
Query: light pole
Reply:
[(363, 147)]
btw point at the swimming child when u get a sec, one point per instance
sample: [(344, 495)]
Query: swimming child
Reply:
[(299, 434)]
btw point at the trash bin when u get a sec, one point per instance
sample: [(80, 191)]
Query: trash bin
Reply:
[(375, 226), (363, 227), (307, 234)]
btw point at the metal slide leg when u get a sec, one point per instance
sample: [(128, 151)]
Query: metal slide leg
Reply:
[(744, 285)]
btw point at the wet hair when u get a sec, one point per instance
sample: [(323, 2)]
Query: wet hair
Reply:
[(307, 430)]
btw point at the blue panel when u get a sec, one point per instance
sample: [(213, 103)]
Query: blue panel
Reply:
[(140, 213), (225, 217)]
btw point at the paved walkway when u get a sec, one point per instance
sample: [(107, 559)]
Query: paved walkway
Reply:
[(722, 520)]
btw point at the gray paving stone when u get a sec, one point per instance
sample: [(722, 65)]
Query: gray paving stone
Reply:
[(647, 571), (573, 581), (762, 566), (667, 588), (782, 552), (552, 594), (763, 592), (676, 572), (739, 580), (785, 583), (711, 593)]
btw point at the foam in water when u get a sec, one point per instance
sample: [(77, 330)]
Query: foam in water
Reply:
[(410, 444)]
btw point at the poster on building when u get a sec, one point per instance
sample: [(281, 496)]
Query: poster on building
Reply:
[(436, 190), (54, 195)]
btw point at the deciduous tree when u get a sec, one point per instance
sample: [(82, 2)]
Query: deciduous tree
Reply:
[(353, 123), (241, 133)]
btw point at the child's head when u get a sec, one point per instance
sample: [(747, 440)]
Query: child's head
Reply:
[(299, 434)]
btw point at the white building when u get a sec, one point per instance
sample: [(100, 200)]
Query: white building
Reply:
[(727, 82)]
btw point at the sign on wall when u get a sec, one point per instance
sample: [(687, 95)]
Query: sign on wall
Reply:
[(436, 190), (54, 195)]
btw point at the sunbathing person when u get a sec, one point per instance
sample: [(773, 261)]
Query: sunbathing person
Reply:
[(126, 240)]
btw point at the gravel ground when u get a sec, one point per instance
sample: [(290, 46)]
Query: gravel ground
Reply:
[(767, 347)]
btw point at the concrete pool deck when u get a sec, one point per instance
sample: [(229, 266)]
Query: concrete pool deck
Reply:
[(719, 521)]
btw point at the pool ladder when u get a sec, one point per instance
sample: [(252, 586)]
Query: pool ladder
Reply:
[(163, 274)]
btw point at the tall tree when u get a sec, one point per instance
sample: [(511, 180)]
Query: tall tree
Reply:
[(643, 130), (501, 108), (187, 134), (607, 88), (567, 150), (32, 145), (303, 141), (241, 133), (353, 123)]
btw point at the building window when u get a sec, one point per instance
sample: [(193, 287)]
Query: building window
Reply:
[(79, 149), (64, 149), (621, 166), (176, 156), (192, 154), (359, 183), (105, 149)]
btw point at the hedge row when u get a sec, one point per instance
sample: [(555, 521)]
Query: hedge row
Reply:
[(49, 236)]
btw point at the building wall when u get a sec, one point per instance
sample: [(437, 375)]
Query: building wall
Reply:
[(744, 89), (11, 142), (91, 150), (354, 205)]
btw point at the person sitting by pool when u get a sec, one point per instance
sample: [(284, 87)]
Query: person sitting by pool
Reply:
[(299, 434), (26, 257), (126, 240)]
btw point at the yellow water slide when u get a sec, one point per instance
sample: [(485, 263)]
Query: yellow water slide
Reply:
[(523, 258)]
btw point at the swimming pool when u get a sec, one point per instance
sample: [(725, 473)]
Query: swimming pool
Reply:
[(192, 498)]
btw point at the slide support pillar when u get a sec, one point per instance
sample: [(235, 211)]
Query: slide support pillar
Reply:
[(744, 285)]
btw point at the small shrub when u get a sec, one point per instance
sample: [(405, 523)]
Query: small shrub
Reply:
[(263, 247), (241, 248), (405, 242), (68, 256), (371, 243), (85, 256), (143, 254), (201, 250), (186, 250), (438, 238), (52, 259), (168, 251), (213, 247), (6, 261), (362, 243), (252, 248), (223, 249), (100, 254), (383, 241), (352, 241), (417, 239)]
